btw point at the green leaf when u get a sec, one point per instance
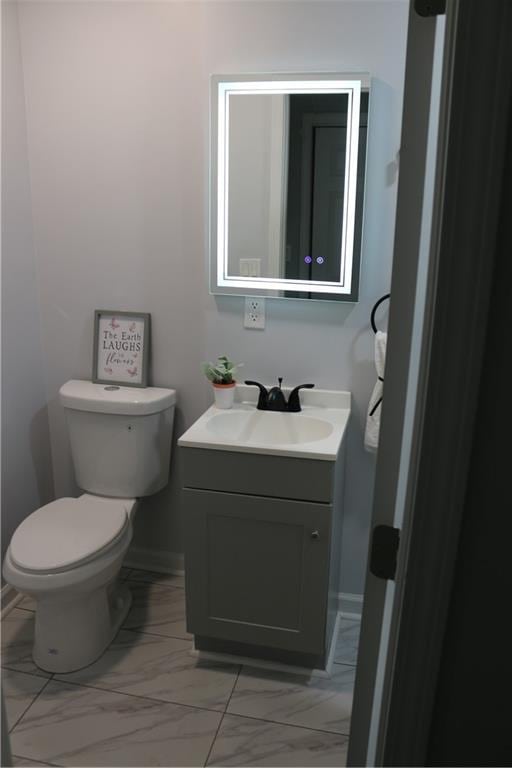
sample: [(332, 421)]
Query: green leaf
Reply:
[(222, 372)]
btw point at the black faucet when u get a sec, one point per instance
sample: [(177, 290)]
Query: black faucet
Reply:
[(274, 399)]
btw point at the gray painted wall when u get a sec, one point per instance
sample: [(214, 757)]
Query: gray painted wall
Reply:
[(117, 113), (26, 465)]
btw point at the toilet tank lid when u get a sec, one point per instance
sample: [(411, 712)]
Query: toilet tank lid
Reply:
[(103, 398)]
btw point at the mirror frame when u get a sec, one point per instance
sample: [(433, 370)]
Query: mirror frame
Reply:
[(222, 86)]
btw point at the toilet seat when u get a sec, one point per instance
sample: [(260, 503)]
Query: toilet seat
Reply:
[(69, 532)]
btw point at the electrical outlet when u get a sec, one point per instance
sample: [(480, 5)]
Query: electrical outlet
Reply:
[(254, 312)]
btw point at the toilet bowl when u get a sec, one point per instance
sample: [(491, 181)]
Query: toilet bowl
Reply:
[(67, 555)]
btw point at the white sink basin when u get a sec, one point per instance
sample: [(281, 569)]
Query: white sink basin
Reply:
[(316, 432), (268, 428)]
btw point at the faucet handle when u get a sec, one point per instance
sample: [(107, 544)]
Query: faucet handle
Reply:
[(294, 400), (263, 396)]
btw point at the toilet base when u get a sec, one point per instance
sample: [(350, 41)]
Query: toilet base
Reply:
[(72, 632)]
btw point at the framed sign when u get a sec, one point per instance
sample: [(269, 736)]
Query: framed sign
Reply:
[(121, 348)]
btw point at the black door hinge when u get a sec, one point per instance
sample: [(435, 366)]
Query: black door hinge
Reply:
[(430, 7), (383, 557)]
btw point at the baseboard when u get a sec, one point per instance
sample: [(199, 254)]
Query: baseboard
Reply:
[(10, 597), (350, 605), (155, 560), (334, 643)]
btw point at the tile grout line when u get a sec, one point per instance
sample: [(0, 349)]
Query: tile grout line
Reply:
[(22, 672), (144, 631), (288, 725), (275, 722), (31, 759), (228, 702), (20, 718), (223, 716), (133, 582), (195, 706), (188, 706), (139, 583), (149, 584), (30, 674), (214, 738), (177, 703), (136, 696), (188, 640)]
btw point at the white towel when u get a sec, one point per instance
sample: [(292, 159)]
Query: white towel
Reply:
[(371, 437)]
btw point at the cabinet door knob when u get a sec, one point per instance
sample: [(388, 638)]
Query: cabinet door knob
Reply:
[(315, 535)]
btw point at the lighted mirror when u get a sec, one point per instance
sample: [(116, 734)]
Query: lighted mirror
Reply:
[(287, 184)]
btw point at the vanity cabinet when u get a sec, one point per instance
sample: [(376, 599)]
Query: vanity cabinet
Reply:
[(262, 546)]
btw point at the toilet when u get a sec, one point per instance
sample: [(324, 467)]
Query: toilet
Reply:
[(67, 554)]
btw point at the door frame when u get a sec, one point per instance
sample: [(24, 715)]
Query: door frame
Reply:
[(408, 237), (468, 198), (464, 253)]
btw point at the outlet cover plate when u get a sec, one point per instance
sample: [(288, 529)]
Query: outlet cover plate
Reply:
[(254, 316)]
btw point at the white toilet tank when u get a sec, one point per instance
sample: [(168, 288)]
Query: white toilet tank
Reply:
[(120, 437)]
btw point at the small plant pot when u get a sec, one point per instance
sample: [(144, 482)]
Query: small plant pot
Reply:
[(224, 395)]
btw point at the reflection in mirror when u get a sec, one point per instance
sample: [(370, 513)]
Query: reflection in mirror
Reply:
[(288, 196)]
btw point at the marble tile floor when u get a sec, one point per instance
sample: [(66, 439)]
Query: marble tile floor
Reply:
[(149, 702)]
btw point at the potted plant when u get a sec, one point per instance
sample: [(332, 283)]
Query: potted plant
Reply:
[(222, 377)]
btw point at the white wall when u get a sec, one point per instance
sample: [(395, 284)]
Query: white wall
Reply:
[(117, 114), (26, 466), (249, 212), (257, 146)]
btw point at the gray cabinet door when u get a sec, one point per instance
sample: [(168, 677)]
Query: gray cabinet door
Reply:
[(257, 569)]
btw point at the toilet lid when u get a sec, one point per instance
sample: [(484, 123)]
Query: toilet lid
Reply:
[(68, 531)]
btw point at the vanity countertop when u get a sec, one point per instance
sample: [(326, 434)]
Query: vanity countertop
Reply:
[(316, 432)]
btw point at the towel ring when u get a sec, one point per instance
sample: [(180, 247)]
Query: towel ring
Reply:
[(376, 306)]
